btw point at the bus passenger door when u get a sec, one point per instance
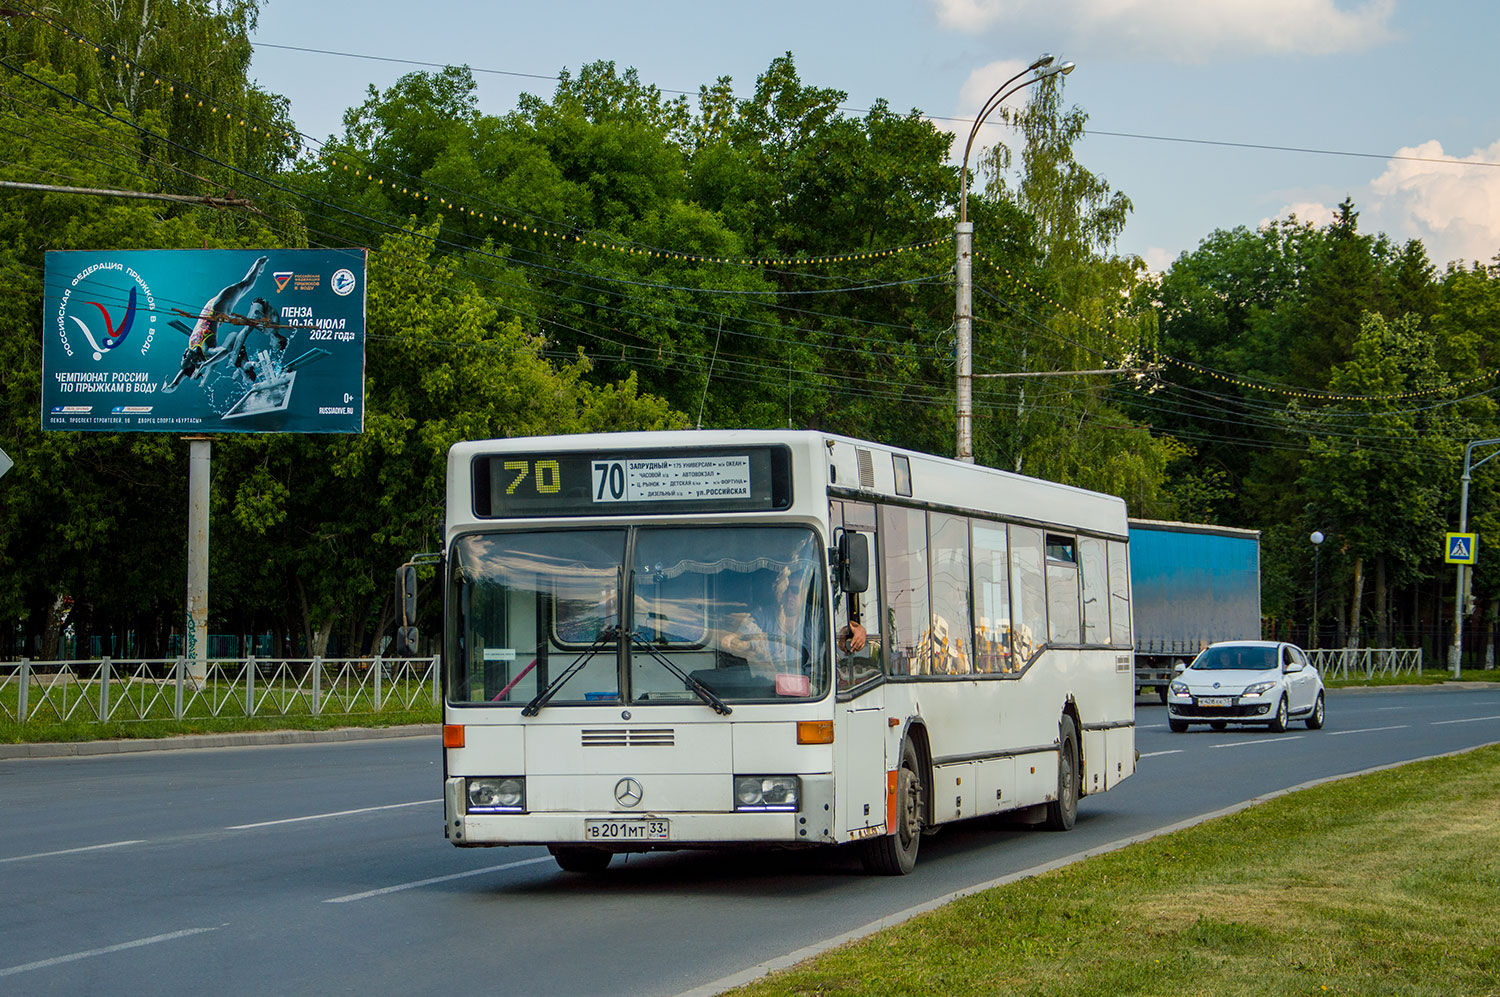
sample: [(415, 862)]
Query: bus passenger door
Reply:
[(860, 744)]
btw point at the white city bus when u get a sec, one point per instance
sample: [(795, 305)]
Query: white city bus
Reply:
[(653, 641)]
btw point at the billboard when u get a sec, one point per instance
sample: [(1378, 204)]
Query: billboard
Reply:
[(204, 341)]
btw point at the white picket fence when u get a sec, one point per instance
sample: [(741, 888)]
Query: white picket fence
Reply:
[(1366, 662), (104, 689)]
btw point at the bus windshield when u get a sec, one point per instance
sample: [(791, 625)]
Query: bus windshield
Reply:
[(736, 611)]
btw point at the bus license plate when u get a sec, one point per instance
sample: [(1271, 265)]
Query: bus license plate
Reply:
[(1215, 701), (625, 830)]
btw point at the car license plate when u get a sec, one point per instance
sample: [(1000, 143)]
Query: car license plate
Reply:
[(1215, 700), (625, 830)]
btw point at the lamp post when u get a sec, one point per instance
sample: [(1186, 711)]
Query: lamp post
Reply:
[(963, 246), (1317, 542)]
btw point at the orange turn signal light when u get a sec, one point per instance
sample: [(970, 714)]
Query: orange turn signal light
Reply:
[(453, 735), (814, 731)]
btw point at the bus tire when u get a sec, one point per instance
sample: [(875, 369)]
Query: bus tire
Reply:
[(580, 859), (895, 854), (1063, 811)]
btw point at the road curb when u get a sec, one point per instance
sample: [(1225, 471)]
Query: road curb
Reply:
[(73, 749)]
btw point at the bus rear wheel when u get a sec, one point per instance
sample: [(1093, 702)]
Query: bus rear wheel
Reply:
[(895, 854), (1063, 811), (580, 859)]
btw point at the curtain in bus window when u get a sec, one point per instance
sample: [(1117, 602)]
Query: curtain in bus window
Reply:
[(903, 535), (1119, 594), (855, 668), (1028, 593), (991, 599), (529, 605), (1094, 570), (952, 639), (1063, 616)]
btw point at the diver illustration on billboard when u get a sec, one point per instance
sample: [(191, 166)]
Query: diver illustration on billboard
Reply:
[(201, 351), (259, 379)]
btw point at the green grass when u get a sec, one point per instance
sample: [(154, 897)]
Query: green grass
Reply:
[(1382, 885), (37, 732), (1429, 676)]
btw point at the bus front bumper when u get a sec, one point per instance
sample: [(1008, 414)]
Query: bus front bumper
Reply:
[(638, 831)]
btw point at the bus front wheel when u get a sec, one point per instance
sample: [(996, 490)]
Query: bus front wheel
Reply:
[(896, 854)]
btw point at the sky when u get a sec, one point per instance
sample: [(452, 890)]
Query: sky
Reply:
[(1207, 114)]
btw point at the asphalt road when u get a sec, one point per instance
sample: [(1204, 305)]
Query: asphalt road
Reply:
[(322, 868)]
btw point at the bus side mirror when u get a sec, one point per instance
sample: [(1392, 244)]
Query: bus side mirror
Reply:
[(853, 562), (406, 610)]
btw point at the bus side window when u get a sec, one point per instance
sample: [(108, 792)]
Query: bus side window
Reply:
[(907, 621), (1094, 572), (1028, 593), (856, 668), (1119, 594)]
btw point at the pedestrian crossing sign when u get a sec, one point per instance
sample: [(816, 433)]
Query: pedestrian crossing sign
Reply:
[(1462, 548)]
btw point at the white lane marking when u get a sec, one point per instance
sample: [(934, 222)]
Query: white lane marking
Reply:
[(1367, 730), (1469, 720), (1174, 751), (106, 950), (71, 851), (1387, 709), (336, 813), (435, 879), (1149, 726), (1263, 740)]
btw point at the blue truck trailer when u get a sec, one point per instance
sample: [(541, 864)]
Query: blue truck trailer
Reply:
[(1191, 585)]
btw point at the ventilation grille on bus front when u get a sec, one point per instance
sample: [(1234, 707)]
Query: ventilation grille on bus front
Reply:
[(866, 468), (645, 737)]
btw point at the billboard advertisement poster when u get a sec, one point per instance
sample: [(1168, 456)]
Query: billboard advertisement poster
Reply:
[(204, 341)]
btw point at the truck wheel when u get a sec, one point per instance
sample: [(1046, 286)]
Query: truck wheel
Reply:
[(1161, 691), (1063, 811), (895, 854)]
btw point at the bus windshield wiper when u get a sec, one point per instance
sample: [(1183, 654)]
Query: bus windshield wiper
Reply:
[(534, 707), (698, 688)]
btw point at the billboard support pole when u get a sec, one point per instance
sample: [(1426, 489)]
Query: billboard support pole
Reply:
[(195, 634)]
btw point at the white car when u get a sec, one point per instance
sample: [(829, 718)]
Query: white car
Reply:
[(1247, 682)]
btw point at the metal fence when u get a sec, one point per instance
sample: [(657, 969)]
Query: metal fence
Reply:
[(1366, 662), (100, 690)]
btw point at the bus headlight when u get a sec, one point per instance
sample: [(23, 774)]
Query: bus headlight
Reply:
[(496, 795), (765, 792)]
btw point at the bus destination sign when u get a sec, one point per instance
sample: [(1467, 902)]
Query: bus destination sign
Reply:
[(671, 479), (581, 484)]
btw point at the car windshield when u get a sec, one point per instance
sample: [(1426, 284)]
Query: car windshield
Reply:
[(714, 613), (1236, 657)]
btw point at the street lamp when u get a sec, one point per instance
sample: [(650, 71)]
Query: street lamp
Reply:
[(1317, 542), (963, 246)]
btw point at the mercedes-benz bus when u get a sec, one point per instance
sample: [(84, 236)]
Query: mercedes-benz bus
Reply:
[(712, 639)]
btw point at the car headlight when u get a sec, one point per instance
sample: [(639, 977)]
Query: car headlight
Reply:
[(1259, 688), (765, 792), (497, 795), (1180, 689)]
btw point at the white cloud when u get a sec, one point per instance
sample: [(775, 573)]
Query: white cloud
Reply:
[(1158, 260), (1454, 210), (1312, 212), (1188, 30)]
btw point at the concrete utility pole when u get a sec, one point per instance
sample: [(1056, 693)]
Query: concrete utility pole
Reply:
[(963, 251), (195, 631), (1461, 593)]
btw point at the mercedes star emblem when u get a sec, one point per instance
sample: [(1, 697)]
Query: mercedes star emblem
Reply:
[(628, 792)]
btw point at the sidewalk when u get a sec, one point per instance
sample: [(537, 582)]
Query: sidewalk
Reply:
[(70, 749)]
